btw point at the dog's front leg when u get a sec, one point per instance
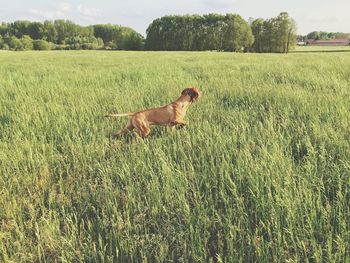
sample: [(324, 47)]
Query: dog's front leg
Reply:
[(180, 123)]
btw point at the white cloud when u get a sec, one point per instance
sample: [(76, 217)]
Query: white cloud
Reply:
[(87, 12), (219, 4), (65, 7), (45, 14), (66, 11)]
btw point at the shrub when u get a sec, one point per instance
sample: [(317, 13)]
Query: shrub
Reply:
[(41, 45), (15, 44), (27, 43), (5, 47)]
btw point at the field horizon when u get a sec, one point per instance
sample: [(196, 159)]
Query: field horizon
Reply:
[(261, 174)]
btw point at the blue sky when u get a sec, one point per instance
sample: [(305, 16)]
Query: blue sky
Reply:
[(310, 15)]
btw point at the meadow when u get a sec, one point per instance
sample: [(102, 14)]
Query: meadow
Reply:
[(261, 174)]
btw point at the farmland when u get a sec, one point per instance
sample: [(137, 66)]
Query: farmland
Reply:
[(262, 172)]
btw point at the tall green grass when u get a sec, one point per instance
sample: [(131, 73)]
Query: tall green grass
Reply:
[(262, 172)]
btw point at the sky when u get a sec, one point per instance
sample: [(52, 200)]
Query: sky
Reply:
[(310, 15)]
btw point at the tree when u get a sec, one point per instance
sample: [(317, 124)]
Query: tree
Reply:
[(257, 27), (313, 35), (285, 32), (19, 28), (64, 34), (154, 35), (208, 32), (4, 29), (50, 32), (214, 26), (321, 35), (1, 42), (110, 34), (133, 41), (64, 29), (276, 34), (118, 37), (36, 30), (292, 35), (238, 34)]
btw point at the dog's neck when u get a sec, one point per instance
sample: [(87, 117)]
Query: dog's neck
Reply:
[(184, 99), (184, 102)]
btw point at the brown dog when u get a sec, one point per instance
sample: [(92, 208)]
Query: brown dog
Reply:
[(171, 114)]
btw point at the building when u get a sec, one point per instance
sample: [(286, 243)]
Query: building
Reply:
[(330, 42)]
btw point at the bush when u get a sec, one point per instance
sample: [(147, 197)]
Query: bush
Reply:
[(41, 45), (78, 43), (15, 44), (133, 41), (1, 42), (5, 47), (61, 47), (27, 43)]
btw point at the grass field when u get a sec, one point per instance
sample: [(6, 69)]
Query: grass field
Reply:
[(262, 172)]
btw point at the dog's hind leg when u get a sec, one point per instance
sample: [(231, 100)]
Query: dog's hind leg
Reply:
[(142, 126), (129, 127), (144, 130)]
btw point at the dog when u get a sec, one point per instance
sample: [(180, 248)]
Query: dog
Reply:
[(171, 115)]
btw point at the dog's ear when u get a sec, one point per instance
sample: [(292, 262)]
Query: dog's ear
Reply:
[(192, 92), (185, 91)]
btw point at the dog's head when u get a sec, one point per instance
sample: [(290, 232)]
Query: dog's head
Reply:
[(193, 92)]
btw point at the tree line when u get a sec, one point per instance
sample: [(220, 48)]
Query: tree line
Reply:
[(194, 32), (228, 32), (64, 34), (322, 35), (222, 32)]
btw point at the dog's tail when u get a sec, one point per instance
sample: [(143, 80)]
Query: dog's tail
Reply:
[(120, 115)]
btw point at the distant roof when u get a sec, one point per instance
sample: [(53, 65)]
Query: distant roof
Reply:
[(337, 41)]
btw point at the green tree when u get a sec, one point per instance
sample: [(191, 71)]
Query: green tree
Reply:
[(208, 32), (285, 33), (214, 28), (154, 35), (19, 28), (36, 30), (276, 34), (1, 42), (133, 41), (110, 34), (321, 35), (238, 34), (64, 34), (50, 32), (257, 27), (118, 37), (4, 29), (313, 35), (64, 29)]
